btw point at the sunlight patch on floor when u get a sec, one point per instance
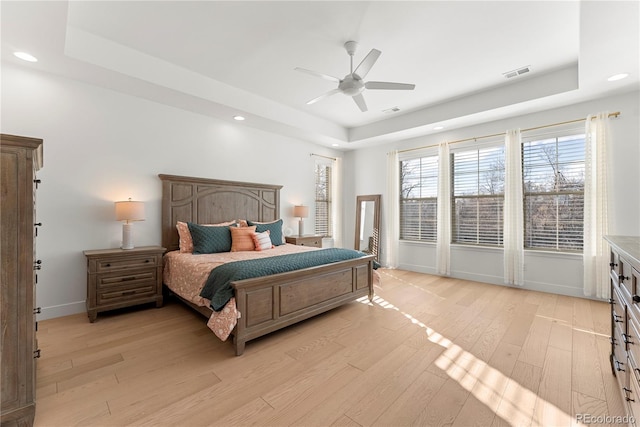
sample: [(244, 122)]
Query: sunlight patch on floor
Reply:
[(509, 400)]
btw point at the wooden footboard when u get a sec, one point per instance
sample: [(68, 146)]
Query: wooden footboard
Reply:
[(267, 304)]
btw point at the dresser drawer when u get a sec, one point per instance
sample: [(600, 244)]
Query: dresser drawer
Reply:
[(122, 263), (633, 339), (625, 279), (619, 352), (618, 310)]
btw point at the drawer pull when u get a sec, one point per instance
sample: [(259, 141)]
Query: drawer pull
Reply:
[(626, 394), (627, 339), (147, 261), (622, 277), (613, 264), (616, 318), (107, 265), (36, 354), (128, 293), (612, 301), (612, 340), (37, 310), (619, 366)]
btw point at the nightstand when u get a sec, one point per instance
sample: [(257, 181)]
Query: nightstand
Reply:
[(305, 240), (118, 278)]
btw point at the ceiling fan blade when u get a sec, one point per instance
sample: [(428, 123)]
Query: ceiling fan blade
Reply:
[(365, 66), (326, 95), (359, 99), (389, 86), (315, 73)]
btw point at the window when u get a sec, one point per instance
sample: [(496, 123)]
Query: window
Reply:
[(478, 196), (323, 200), (418, 198), (553, 188)]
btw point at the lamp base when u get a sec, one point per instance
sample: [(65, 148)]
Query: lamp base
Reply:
[(127, 236), (300, 227)]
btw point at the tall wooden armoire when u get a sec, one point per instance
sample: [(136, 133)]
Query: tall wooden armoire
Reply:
[(20, 158)]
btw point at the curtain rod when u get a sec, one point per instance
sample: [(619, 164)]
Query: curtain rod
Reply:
[(616, 114), (320, 155)]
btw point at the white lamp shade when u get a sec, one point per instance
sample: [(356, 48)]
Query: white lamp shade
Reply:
[(129, 211), (301, 211)]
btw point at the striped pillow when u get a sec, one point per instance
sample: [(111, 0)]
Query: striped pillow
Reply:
[(262, 241), (241, 238)]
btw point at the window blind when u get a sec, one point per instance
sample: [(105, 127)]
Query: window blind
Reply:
[(478, 196), (323, 200), (553, 183), (418, 198)]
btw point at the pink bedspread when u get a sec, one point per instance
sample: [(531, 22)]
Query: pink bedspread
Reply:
[(185, 274)]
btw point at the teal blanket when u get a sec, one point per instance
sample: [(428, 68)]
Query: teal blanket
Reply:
[(218, 287)]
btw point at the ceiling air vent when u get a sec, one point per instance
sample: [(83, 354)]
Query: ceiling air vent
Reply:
[(517, 72), (391, 110)]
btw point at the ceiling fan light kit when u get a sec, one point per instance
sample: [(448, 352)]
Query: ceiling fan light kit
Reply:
[(353, 84)]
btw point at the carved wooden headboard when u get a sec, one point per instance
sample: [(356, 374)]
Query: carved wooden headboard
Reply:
[(210, 201)]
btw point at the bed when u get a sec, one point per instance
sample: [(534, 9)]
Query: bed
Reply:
[(265, 304)]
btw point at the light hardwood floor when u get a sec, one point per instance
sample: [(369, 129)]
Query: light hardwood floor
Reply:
[(428, 351)]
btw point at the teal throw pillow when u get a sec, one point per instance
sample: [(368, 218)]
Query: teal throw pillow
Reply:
[(275, 230), (210, 239)]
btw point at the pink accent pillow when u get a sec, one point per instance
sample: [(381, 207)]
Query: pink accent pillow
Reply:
[(241, 238), (262, 241), (186, 242)]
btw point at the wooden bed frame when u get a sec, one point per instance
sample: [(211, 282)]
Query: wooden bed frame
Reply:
[(266, 303)]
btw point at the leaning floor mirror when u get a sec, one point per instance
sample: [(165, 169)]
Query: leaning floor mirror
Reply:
[(368, 224)]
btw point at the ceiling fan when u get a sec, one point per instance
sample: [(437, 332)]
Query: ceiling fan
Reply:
[(353, 83)]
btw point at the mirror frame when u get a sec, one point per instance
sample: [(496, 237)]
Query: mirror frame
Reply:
[(375, 198)]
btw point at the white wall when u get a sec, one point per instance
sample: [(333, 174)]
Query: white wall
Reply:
[(101, 146), (365, 170)]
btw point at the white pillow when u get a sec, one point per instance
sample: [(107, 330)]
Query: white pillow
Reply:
[(262, 240)]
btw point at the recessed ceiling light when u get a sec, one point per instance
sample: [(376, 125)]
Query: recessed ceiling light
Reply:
[(335, 145), (25, 56), (618, 77), (238, 118), (438, 127)]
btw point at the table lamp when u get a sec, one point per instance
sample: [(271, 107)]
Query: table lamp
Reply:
[(128, 211), (301, 212)]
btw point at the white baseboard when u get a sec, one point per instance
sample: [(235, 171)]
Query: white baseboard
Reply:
[(62, 310), (552, 288)]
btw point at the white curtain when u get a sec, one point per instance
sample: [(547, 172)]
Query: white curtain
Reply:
[(336, 202), (443, 239), (392, 210), (513, 210), (596, 250)]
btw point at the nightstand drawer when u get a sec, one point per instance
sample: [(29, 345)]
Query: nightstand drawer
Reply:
[(125, 293), (314, 241), (123, 263), (130, 279)]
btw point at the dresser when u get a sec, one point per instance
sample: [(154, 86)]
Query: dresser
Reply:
[(118, 278), (20, 158), (624, 276), (305, 240)]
